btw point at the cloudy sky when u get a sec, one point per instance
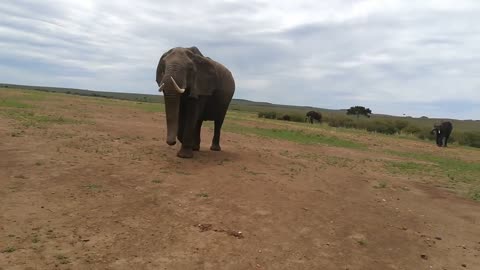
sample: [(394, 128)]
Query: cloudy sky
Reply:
[(397, 57)]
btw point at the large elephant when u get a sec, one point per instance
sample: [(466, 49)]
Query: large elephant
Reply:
[(313, 115), (442, 132), (195, 89)]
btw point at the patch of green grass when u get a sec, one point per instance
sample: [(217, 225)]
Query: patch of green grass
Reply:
[(381, 185), (9, 250), (338, 161), (203, 195), (455, 169), (407, 167), (63, 259), (475, 194), (298, 136), (150, 107), (35, 239), (34, 95), (12, 103), (362, 242), (93, 186), (29, 118)]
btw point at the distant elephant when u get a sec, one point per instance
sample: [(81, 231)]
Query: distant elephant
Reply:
[(286, 117), (442, 132), (195, 89), (313, 115)]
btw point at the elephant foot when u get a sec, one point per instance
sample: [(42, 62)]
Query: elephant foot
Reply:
[(185, 153), (196, 148), (215, 147)]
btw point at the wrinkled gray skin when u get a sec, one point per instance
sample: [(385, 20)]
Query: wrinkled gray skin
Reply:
[(209, 88)]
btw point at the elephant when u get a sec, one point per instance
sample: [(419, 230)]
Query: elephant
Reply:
[(442, 132), (286, 117), (313, 115), (195, 89)]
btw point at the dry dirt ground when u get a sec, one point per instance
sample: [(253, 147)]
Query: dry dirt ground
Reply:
[(100, 189)]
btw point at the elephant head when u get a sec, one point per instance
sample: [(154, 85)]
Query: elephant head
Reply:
[(183, 73), (437, 131), (442, 132)]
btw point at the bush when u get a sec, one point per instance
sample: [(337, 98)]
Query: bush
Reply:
[(400, 124), (411, 130), (385, 127), (426, 134), (297, 118), (268, 115), (468, 139)]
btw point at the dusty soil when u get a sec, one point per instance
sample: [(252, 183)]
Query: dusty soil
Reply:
[(109, 193)]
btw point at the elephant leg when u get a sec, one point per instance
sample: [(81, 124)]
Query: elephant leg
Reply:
[(438, 140), (216, 136), (188, 129), (198, 129), (181, 121), (180, 133), (446, 140)]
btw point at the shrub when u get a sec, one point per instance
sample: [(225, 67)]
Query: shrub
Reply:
[(468, 139), (410, 129), (268, 115), (297, 118), (385, 127), (426, 134), (285, 117), (341, 122), (400, 124)]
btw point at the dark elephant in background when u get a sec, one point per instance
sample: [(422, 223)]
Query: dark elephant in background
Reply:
[(195, 89), (442, 132), (286, 117), (313, 115)]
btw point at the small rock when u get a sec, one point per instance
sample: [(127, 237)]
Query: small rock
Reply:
[(464, 265), (438, 238), (235, 234), (424, 256)]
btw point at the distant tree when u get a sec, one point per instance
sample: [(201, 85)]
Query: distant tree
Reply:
[(359, 110)]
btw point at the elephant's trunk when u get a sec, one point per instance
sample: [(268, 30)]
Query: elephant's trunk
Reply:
[(172, 107)]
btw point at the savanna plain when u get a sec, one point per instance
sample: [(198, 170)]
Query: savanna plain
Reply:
[(89, 183)]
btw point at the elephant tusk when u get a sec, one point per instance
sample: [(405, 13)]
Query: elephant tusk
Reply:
[(179, 90), (160, 87)]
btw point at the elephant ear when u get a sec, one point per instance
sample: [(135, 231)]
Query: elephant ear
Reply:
[(204, 77), (160, 70)]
